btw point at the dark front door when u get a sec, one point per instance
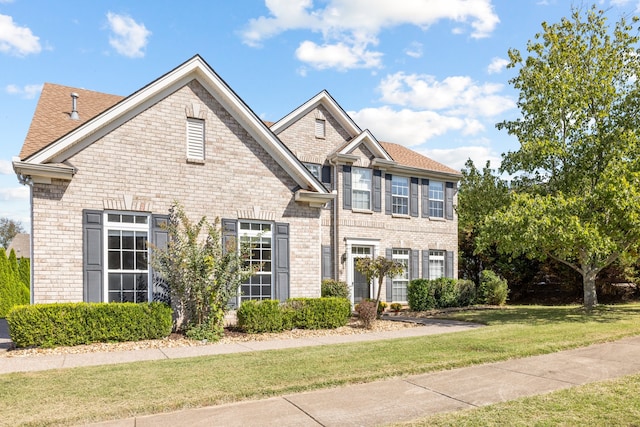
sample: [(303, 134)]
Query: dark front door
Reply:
[(360, 285)]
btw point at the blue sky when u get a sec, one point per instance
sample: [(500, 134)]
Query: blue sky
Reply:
[(429, 74)]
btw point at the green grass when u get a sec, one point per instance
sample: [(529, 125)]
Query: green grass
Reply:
[(607, 403), (73, 396)]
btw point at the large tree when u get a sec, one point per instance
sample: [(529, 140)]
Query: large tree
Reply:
[(579, 196), (8, 230)]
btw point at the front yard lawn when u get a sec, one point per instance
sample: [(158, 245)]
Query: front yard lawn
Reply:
[(74, 396)]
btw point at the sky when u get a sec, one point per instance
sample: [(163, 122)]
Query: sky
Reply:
[(428, 74)]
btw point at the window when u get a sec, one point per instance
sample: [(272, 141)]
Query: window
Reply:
[(259, 286), (400, 282), (127, 257), (400, 193), (361, 188), (436, 199), (320, 128), (436, 264), (315, 169), (195, 139)]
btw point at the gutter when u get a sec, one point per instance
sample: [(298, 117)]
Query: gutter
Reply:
[(42, 174)]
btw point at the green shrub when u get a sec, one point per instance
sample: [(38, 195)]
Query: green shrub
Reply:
[(396, 306), (466, 290), (335, 288), (367, 313), (445, 292), (493, 289), (67, 324), (320, 313), (260, 316), (420, 295), (304, 313), (13, 289)]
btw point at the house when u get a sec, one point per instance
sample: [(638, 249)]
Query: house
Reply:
[(313, 191), (20, 244)]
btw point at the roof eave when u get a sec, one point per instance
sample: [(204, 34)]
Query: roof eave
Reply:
[(39, 173)]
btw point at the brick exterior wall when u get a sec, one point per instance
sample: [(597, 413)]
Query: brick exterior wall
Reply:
[(142, 165)]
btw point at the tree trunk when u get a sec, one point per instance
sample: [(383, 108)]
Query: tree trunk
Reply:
[(589, 288)]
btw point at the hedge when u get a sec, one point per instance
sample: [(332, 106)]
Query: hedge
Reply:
[(302, 313), (423, 294), (68, 324)]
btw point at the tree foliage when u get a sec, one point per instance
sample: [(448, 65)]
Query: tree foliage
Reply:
[(378, 268), (202, 275), (8, 230), (578, 198), (14, 286)]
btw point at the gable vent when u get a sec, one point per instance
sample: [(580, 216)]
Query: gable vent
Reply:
[(195, 139)]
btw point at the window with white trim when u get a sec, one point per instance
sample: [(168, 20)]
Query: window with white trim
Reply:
[(315, 169), (321, 128), (361, 188), (400, 195), (127, 257), (399, 283), (436, 199), (260, 236), (436, 264), (195, 139)]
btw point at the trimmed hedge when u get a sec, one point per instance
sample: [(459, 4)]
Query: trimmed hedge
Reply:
[(303, 313), (334, 288), (423, 294), (67, 324)]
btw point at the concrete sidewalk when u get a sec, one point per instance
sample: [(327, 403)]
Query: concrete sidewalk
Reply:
[(61, 361), (416, 396)]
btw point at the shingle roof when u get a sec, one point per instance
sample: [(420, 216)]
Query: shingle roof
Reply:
[(407, 157), (21, 244), (52, 120)]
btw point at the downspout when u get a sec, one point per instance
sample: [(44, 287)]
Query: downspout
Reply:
[(336, 250), (26, 180)]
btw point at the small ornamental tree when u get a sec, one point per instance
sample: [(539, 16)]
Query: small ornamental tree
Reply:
[(12, 290), (378, 268), (201, 274)]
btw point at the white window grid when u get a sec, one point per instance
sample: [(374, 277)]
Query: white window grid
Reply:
[(436, 199), (361, 188), (315, 169), (260, 285), (400, 195), (436, 264), (399, 283)]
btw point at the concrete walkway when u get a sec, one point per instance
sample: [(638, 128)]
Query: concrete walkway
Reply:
[(376, 403)]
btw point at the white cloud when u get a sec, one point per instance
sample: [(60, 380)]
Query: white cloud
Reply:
[(16, 40), (497, 65), (26, 92), (458, 95), (6, 168), (14, 193), (414, 50), (129, 38), (340, 56), (411, 127), (457, 157), (353, 25)]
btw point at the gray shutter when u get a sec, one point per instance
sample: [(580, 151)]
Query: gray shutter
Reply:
[(448, 264), (389, 255), (326, 174), (413, 196), (414, 262), (159, 240), (92, 256), (388, 200), (346, 187), (327, 268), (448, 200), (377, 190), (425, 198), (281, 238), (230, 238), (425, 264)]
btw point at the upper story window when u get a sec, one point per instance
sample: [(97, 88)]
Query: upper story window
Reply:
[(127, 257), (436, 199), (400, 195), (320, 128), (315, 169), (361, 188), (195, 139)]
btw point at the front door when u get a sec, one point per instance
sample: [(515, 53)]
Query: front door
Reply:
[(361, 288)]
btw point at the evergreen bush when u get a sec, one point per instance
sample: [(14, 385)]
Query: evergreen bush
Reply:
[(420, 295), (493, 289), (335, 288), (13, 288)]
